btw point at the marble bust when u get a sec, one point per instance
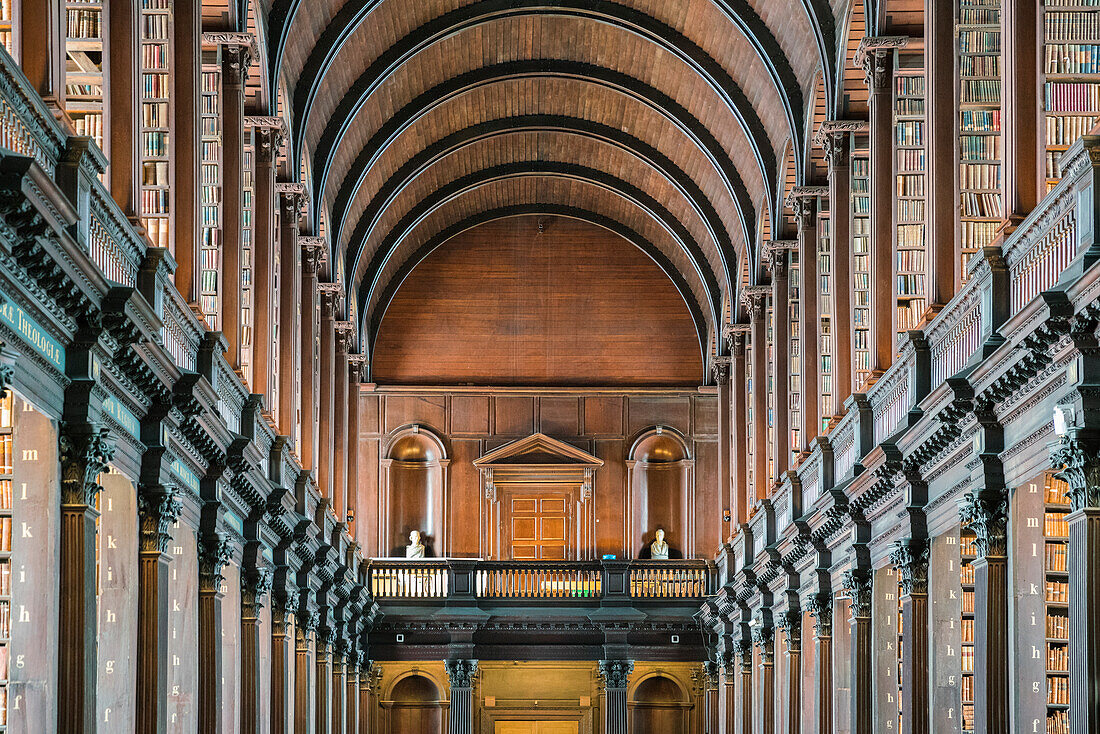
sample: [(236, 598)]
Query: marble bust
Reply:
[(658, 549), (415, 549)]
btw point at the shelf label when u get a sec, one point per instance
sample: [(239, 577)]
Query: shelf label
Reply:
[(33, 334)]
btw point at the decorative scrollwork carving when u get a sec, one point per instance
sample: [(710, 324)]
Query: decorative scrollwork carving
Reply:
[(616, 673), (157, 511), (857, 582), (986, 514), (461, 673), (1079, 462), (215, 552), (85, 453), (910, 557)]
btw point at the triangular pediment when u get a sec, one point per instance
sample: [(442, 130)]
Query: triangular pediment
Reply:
[(538, 449)]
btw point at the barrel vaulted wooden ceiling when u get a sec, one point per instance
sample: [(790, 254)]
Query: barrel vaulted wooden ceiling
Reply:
[(678, 124)]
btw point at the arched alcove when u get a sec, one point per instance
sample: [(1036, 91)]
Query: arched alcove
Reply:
[(660, 471), (659, 705), (414, 490), (415, 705)]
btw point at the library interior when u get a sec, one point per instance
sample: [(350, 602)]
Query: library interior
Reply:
[(550, 366)]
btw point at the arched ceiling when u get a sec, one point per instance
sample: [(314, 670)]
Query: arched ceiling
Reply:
[(679, 125)]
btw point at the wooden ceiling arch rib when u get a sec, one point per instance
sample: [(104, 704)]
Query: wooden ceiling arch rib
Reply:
[(369, 276), (369, 324), (639, 26), (432, 154), (434, 97)]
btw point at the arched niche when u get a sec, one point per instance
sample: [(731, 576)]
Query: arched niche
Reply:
[(661, 472), (415, 704), (414, 492), (659, 704)]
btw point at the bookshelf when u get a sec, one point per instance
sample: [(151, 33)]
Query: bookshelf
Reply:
[(248, 178), (210, 250), (7, 24), (156, 37), (794, 390), (979, 36), (750, 379), (769, 381), (861, 263), (901, 659), (7, 414), (84, 30), (1056, 597), (968, 553), (1071, 83), (824, 308), (909, 202)]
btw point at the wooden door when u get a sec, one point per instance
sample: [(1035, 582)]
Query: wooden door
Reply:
[(537, 727), (539, 526)]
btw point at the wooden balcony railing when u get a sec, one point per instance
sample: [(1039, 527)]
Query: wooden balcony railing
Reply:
[(566, 581)]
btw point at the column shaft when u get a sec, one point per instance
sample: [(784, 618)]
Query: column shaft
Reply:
[(991, 692), (186, 142), (781, 345), (823, 690), (915, 696), (747, 699), (353, 452), (739, 502), (722, 374), (291, 308), (41, 30), (210, 660), (809, 317), (323, 686), (327, 436), (615, 711), (879, 68), (264, 248), (941, 165), (311, 310), (302, 681), (76, 654), (838, 155), (1084, 620), (157, 510), (235, 61), (758, 314), (281, 641), (122, 93), (340, 424), (1024, 172)]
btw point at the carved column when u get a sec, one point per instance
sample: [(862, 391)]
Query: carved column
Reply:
[(756, 301), (345, 333), (836, 140), (255, 583), (267, 141), (1022, 111), (791, 622), (739, 501), (743, 652), (721, 373), (186, 140), (236, 58), (708, 680), (763, 637), (876, 56), (858, 584), (283, 605), (291, 310), (121, 95), (803, 201), (305, 623), (313, 254), (1078, 455), (215, 552), (85, 452), (330, 298), (158, 508), (41, 30), (461, 674), (351, 711), (985, 512), (941, 164), (323, 682), (369, 683), (777, 259), (820, 605), (355, 365), (616, 676), (339, 668), (910, 558)]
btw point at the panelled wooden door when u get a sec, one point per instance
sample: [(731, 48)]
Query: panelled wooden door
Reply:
[(537, 727), (539, 526)]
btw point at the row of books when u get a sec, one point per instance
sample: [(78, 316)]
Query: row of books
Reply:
[(910, 161), (1053, 166), (1066, 129), (1057, 657), (967, 655), (154, 144), (980, 176), (7, 412), (1055, 492), (1075, 25), (968, 545), (156, 228), (909, 86), (981, 91), (979, 15), (89, 124), (1057, 626), (909, 210), (1057, 592), (5, 493), (909, 107), (966, 573), (980, 205), (966, 692), (154, 56), (1071, 96), (976, 235), (155, 173), (154, 85), (1071, 3), (988, 66), (6, 454), (980, 121), (911, 185), (979, 42), (1056, 558), (84, 90), (154, 27), (1057, 689), (80, 23), (968, 602), (909, 132), (980, 147), (1072, 58), (154, 114), (910, 312), (910, 235), (911, 284), (1058, 722), (1055, 524), (6, 11)]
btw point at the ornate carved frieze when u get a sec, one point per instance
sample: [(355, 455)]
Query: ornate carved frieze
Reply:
[(268, 141), (461, 673), (857, 582), (985, 512), (238, 51), (85, 452), (775, 256), (215, 552), (616, 673), (910, 558), (157, 511)]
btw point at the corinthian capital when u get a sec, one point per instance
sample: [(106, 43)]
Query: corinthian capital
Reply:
[(85, 452)]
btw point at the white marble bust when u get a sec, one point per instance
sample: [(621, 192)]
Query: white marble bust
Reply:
[(415, 549), (658, 549)]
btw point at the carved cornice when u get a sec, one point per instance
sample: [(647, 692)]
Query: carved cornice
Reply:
[(157, 510), (857, 582), (803, 201), (985, 512), (910, 558), (461, 673), (616, 673), (332, 298), (736, 335), (85, 452)]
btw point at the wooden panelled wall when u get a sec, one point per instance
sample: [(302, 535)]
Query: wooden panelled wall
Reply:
[(603, 422)]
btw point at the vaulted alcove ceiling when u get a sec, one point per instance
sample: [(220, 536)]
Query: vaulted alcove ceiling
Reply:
[(677, 124)]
